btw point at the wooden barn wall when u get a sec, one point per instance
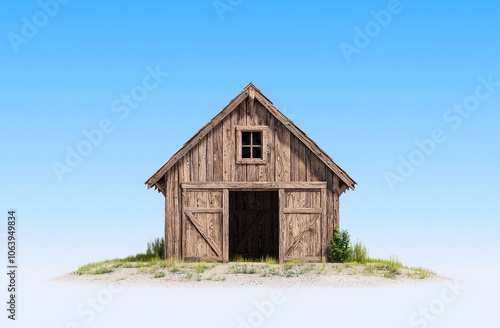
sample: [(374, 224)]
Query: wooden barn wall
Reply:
[(214, 159)]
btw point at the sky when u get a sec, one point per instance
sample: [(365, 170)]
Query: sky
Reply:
[(403, 95)]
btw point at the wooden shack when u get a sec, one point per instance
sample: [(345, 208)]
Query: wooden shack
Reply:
[(250, 183)]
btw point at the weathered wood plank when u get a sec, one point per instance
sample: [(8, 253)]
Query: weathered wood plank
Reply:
[(176, 210), (336, 203), (299, 240), (186, 169), (317, 169), (241, 169), (193, 154), (202, 159), (218, 153), (203, 210), (254, 185), (294, 159), (172, 220), (225, 226), (209, 156), (183, 251), (229, 147), (202, 258), (202, 230), (302, 259), (302, 210), (297, 223), (323, 242), (302, 159), (270, 173), (168, 228), (215, 199), (282, 151), (282, 227), (232, 144), (329, 207)]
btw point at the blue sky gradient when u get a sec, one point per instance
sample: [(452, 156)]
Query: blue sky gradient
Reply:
[(365, 112)]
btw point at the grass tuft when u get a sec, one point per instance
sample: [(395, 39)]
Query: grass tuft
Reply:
[(358, 253), (241, 268), (159, 274), (103, 270)]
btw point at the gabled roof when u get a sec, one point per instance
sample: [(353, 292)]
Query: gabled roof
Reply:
[(252, 91)]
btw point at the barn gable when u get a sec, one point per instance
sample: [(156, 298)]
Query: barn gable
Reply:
[(252, 108)]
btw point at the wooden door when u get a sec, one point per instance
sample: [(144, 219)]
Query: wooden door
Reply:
[(302, 224), (203, 229)]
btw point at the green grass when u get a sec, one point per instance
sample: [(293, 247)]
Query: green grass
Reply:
[(269, 260), (159, 274), (94, 266), (200, 267), (241, 268), (392, 267), (369, 269), (269, 272), (264, 259), (152, 262), (422, 273), (392, 264), (358, 253), (321, 268), (214, 277), (188, 275), (103, 270)]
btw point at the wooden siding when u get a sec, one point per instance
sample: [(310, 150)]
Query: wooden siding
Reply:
[(213, 159)]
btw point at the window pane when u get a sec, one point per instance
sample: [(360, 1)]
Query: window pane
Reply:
[(257, 138), (257, 152), (245, 152), (245, 138)]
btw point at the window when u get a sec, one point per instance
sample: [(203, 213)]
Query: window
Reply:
[(250, 143)]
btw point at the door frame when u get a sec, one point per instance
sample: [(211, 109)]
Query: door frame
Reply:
[(281, 187)]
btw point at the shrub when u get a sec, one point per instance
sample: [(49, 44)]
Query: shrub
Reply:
[(339, 249), (156, 248)]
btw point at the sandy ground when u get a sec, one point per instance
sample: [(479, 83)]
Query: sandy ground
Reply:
[(257, 275)]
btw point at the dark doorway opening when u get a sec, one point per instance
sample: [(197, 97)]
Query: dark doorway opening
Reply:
[(253, 224)]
